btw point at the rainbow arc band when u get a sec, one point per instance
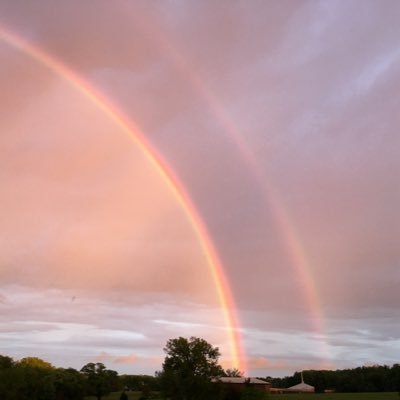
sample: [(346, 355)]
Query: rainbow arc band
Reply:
[(285, 227), (174, 184)]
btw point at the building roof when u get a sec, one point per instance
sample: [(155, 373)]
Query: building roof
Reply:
[(301, 387), (231, 379)]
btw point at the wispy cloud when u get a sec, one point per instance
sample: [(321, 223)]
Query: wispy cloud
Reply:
[(96, 252)]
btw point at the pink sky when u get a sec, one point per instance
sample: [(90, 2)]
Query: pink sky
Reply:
[(281, 120)]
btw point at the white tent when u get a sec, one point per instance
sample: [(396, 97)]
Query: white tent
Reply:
[(301, 387)]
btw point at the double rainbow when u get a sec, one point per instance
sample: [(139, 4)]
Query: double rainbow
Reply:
[(284, 225), (166, 173)]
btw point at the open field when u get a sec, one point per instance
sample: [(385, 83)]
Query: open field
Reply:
[(337, 396), (115, 396), (322, 396)]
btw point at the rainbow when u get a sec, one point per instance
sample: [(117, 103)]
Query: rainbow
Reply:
[(166, 173), (285, 226)]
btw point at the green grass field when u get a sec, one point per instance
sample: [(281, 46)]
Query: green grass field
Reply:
[(115, 396), (327, 396), (337, 396)]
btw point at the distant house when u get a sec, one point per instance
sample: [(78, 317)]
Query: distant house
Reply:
[(301, 387), (237, 384)]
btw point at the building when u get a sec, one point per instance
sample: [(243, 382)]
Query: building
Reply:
[(301, 387), (237, 384)]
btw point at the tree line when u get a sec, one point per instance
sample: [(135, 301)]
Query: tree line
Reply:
[(32, 378), (190, 372), (375, 378)]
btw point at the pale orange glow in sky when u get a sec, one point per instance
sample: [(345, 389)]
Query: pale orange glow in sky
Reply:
[(126, 127), (100, 259), (81, 257)]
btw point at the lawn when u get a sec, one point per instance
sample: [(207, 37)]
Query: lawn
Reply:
[(337, 396), (323, 396), (115, 396)]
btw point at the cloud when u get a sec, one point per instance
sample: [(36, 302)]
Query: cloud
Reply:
[(258, 363), (45, 323), (129, 359), (283, 130), (69, 223)]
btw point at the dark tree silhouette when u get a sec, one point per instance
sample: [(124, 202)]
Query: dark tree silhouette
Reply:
[(188, 369), (100, 381)]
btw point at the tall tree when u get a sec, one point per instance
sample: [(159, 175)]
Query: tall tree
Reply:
[(34, 362), (32, 379), (6, 362), (99, 380), (68, 384), (189, 368)]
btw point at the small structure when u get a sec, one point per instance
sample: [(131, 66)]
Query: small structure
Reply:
[(301, 387), (238, 384)]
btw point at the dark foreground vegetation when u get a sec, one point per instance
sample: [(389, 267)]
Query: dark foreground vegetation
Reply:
[(376, 378), (34, 379), (338, 396), (301, 396), (190, 372)]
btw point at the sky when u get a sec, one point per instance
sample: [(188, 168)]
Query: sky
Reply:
[(264, 133)]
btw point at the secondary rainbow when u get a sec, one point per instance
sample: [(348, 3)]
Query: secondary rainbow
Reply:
[(285, 226), (167, 174)]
